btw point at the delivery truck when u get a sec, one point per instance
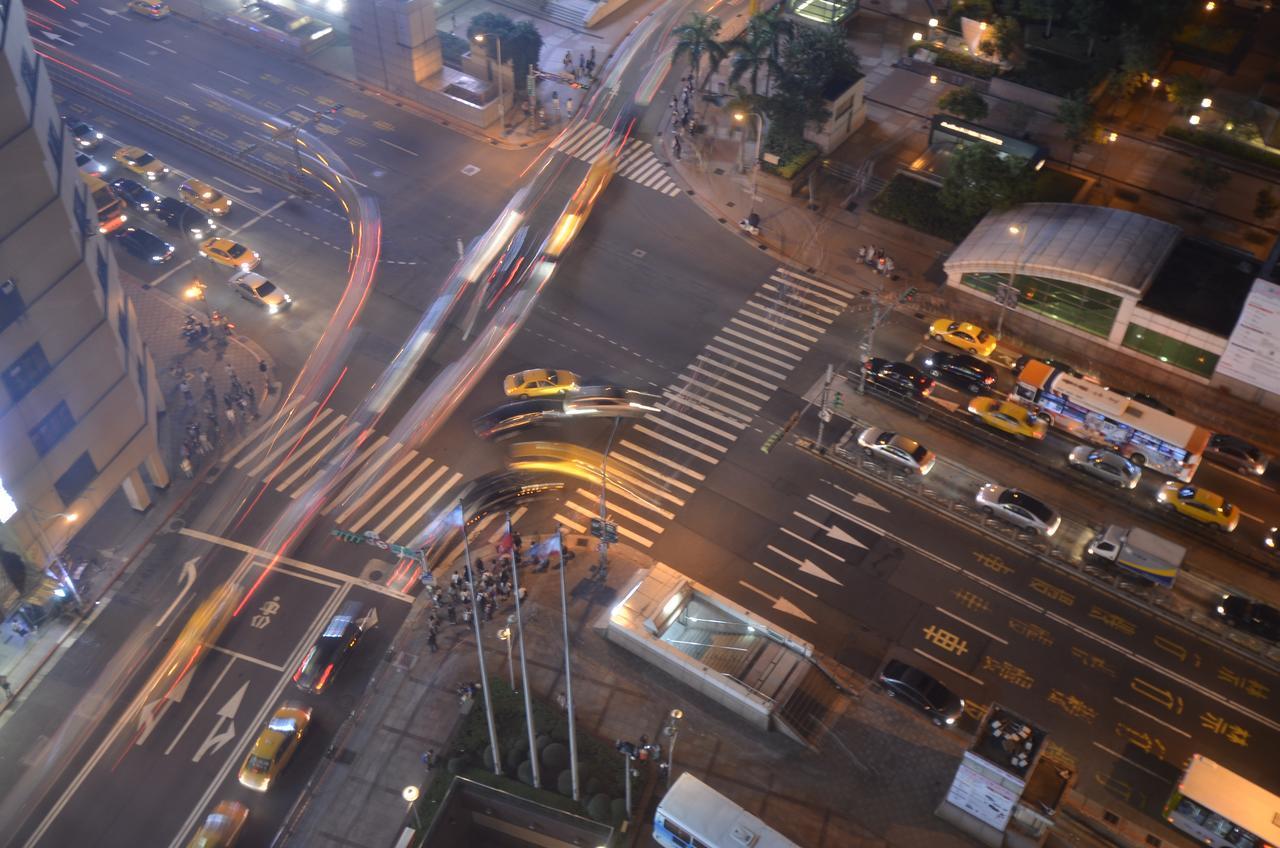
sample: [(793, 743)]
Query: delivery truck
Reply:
[(1138, 552)]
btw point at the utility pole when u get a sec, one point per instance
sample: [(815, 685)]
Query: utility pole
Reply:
[(824, 413), (568, 677), (608, 532), (879, 312), (524, 669)]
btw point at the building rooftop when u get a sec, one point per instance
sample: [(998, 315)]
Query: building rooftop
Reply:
[(1203, 284), (1095, 246)]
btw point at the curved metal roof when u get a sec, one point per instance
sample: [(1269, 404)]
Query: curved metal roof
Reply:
[(1094, 246)]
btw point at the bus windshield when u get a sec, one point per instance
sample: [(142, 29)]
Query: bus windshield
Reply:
[(693, 815), (1221, 809)]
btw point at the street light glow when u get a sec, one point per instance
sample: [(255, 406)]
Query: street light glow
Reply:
[(1014, 229), (1206, 103), (1112, 136), (479, 37), (917, 36), (1210, 6), (1155, 82), (70, 517), (933, 22), (739, 116), (1194, 120), (933, 79)]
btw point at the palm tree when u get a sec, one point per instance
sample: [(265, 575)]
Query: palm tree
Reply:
[(756, 48), (697, 38)]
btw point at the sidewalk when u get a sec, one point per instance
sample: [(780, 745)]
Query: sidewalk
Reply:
[(884, 797), (117, 533)]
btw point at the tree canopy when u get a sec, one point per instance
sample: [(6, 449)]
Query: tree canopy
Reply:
[(964, 103), (521, 42), (982, 180)]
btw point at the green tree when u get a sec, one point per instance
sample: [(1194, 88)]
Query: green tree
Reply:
[(1005, 42), (696, 38), (1139, 58), (1041, 10), (964, 103), (521, 43), (1092, 20), (1265, 205), (1187, 91), (1079, 122), (1207, 175), (815, 60), (981, 180), (759, 47)]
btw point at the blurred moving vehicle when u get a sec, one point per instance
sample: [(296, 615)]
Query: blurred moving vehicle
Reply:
[(201, 632), (1017, 507), (1199, 505), (1008, 417), (87, 138), (326, 657), (922, 690), (897, 377), (145, 245), (224, 251), (1250, 616), (89, 166), (204, 196), (184, 216), (153, 9), (1235, 452), (610, 402), (968, 337), (1106, 465), (512, 417), (141, 162), (135, 194), (221, 827), (260, 291), (960, 370), (898, 449), (275, 746), (111, 209), (539, 382)]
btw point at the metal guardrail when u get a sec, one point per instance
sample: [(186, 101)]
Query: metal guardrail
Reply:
[(250, 162)]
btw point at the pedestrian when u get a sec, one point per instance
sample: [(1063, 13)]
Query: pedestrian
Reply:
[(517, 541), (231, 372), (434, 646), (582, 62), (675, 147), (206, 446), (455, 579), (4, 684), (592, 57), (591, 68), (453, 24), (231, 416), (185, 388), (429, 759), (466, 615), (480, 564), (187, 468), (452, 613), (568, 61), (568, 107)]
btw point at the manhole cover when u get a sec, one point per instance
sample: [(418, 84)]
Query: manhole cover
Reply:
[(177, 525), (470, 170), (730, 204), (375, 576), (638, 253)]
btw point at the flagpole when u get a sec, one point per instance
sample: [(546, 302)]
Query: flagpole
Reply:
[(524, 670), (568, 677), (475, 620)]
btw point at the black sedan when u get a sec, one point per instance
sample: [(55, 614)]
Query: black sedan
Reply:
[(1235, 452), (326, 657), (144, 245), (959, 370), (1250, 616), (135, 194), (184, 216), (922, 691), (511, 418), (897, 378)]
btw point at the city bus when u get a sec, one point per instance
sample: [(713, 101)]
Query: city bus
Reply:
[(693, 815), (111, 214), (1223, 810), (1096, 414)]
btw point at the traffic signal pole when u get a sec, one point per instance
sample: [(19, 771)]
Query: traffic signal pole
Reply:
[(604, 484), (878, 315)]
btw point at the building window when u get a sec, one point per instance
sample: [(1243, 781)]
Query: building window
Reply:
[(142, 381), (54, 140), (26, 373), (81, 210), (104, 271), (11, 304), (58, 423), (1079, 306), (1167, 349), (76, 479), (29, 75), (122, 322)]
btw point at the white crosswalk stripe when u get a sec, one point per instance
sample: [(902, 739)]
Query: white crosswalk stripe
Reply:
[(638, 162)]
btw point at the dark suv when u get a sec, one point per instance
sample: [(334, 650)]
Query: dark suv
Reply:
[(897, 378), (1250, 616), (1235, 452), (327, 655), (184, 216), (960, 370), (923, 692)]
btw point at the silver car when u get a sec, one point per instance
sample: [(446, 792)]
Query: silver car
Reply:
[(1017, 507), (609, 402), (260, 291), (1105, 465), (898, 449)]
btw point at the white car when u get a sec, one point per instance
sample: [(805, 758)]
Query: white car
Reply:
[(1105, 465), (1018, 508), (260, 291), (898, 449), (89, 166)]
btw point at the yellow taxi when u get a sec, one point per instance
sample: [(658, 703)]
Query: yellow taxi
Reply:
[(204, 196), (540, 382), (233, 254), (221, 827), (154, 9), (275, 746), (968, 337), (1008, 417), (142, 163), (198, 635), (1199, 504)]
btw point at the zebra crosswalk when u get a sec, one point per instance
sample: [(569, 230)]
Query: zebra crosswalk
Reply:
[(660, 460), (637, 161)]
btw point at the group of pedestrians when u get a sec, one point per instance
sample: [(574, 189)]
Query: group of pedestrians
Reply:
[(682, 117), (492, 586), (585, 70), (876, 258), (236, 407)]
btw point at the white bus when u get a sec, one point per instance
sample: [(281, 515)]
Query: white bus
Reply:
[(693, 815), (1223, 810)]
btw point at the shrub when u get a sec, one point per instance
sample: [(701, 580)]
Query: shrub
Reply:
[(916, 204), (965, 64), (793, 155), (564, 783), (453, 48), (524, 772), (1226, 145), (555, 756), (598, 807), (457, 765)]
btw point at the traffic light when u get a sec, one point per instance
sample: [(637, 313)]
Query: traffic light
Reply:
[(908, 295), (597, 528), (838, 400), (772, 442), (610, 532)]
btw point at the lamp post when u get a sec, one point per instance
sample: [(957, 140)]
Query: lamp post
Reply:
[(52, 560), (674, 730), (502, 109), (603, 570), (196, 292), (505, 635), (1010, 293), (755, 170)]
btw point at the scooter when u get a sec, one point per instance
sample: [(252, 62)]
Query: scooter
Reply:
[(750, 224)]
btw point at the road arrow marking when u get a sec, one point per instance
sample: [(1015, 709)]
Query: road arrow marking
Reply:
[(241, 189), (835, 531), (113, 12), (84, 25), (808, 566), (793, 584), (861, 522), (150, 715), (53, 36), (780, 604), (862, 500), (370, 620), (812, 544), (186, 578), (225, 729)]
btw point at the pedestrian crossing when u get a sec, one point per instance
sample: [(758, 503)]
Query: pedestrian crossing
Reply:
[(658, 462), (637, 161)]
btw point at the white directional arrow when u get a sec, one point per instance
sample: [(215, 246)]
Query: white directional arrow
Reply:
[(186, 577), (806, 565), (87, 26), (779, 603), (113, 12), (149, 716), (225, 729), (861, 522), (53, 36), (863, 500), (370, 619), (241, 189), (834, 531)]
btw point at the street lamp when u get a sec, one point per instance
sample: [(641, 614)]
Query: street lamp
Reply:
[(52, 559), (673, 729), (1206, 103), (196, 292), (502, 109), (755, 172), (1011, 289), (505, 635), (1194, 120)]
